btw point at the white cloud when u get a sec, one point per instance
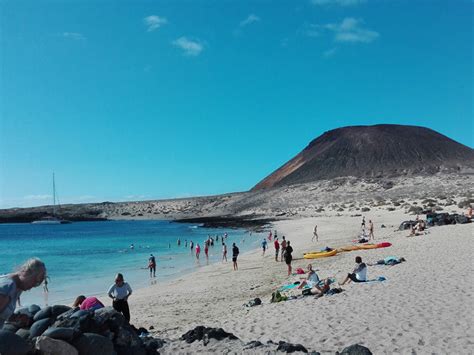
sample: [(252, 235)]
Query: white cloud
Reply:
[(153, 22), (337, 2), (74, 36), (190, 47), (350, 30), (252, 18)]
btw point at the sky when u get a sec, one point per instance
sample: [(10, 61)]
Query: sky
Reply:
[(139, 100)]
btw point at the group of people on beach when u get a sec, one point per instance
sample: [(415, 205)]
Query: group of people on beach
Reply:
[(283, 249)]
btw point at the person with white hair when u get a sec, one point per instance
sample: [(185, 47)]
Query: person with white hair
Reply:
[(31, 274)]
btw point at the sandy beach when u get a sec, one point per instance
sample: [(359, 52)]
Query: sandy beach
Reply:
[(425, 306)]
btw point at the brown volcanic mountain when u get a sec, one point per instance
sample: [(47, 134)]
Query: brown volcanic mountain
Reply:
[(372, 151)]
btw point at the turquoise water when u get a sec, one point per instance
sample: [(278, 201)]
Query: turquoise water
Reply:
[(83, 258)]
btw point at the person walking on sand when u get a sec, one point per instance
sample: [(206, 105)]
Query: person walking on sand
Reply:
[(235, 254), (371, 230), (288, 257), (315, 233), (198, 251), (31, 274), (264, 246), (152, 265), (277, 248), (120, 291), (283, 248), (224, 252)]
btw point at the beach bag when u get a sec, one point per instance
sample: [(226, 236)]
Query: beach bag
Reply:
[(300, 271)]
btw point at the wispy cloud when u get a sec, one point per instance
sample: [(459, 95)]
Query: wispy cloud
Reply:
[(190, 47), (154, 22), (310, 30), (252, 18), (38, 197), (330, 52), (351, 30), (337, 2), (74, 36)]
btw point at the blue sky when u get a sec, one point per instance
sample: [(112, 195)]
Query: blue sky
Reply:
[(130, 100)]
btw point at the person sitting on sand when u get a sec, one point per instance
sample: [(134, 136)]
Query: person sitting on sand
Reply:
[(311, 280), (87, 303), (389, 260), (31, 274), (317, 289), (288, 257), (359, 274)]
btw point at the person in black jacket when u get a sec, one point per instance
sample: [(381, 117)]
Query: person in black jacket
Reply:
[(288, 256), (235, 254)]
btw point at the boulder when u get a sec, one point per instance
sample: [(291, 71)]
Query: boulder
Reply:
[(89, 343), (84, 323), (39, 327), (34, 308), (290, 348), (126, 336), (12, 344), (66, 334), (10, 327), (79, 313), (152, 344), (356, 349), (253, 344), (44, 313), (49, 346), (58, 310), (110, 316), (23, 332)]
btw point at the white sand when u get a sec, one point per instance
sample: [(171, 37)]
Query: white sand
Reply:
[(425, 306)]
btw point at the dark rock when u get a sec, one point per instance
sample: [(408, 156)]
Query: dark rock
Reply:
[(290, 348), (200, 332), (89, 343), (152, 344), (126, 336), (66, 334), (356, 349), (44, 313), (23, 332), (253, 344), (39, 327), (34, 308), (12, 344), (151, 327), (49, 346), (365, 209), (382, 226), (10, 327), (109, 316), (58, 310), (79, 314)]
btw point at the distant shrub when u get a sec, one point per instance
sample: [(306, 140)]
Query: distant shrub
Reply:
[(391, 209), (365, 209)]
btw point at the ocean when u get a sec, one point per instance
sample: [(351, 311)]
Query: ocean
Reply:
[(83, 257)]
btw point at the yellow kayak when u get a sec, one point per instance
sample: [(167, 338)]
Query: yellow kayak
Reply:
[(321, 254)]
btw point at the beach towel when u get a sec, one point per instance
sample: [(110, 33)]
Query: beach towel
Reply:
[(378, 279)]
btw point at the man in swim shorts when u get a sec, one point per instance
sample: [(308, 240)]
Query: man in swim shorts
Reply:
[(235, 254)]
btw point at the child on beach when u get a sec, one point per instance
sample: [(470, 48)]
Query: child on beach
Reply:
[(283, 247), (120, 291), (224, 252), (198, 251), (288, 256), (264, 246), (277, 248), (235, 254)]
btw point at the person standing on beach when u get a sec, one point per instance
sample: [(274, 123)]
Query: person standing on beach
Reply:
[(371, 230), (288, 257), (198, 251), (152, 265), (277, 248), (315, 233), (283, 247), (235, 254), (191, 246), (264, 246), (206, 249), (31, 274), (119, 292), (270, 236), (363, 223), (224, 252), (179, 242)]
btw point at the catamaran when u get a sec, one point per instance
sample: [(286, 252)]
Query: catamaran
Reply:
[(52, 219)]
